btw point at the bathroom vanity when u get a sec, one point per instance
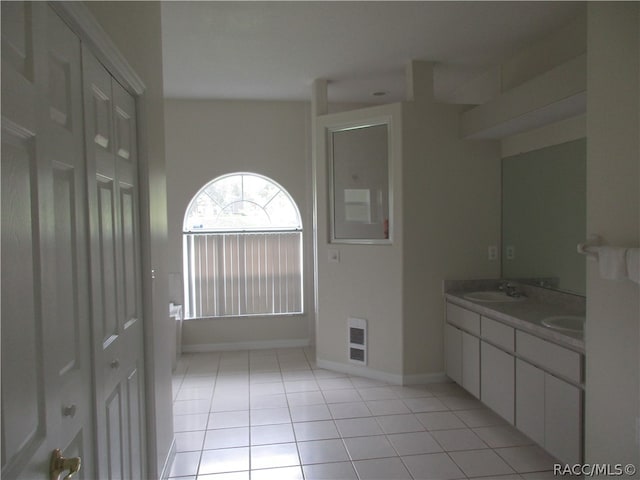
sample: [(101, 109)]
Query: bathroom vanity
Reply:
[(523, 357)]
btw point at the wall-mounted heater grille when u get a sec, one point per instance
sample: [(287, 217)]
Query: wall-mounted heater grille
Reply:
[(357, 340)]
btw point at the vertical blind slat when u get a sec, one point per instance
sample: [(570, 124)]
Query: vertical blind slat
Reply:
[(243, 273)]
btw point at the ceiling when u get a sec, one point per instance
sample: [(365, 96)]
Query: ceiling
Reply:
[(274, 50)]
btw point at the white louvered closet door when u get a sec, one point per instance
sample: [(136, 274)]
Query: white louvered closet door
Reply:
[(46, 363)]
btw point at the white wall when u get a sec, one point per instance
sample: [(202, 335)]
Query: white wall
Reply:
[(209, 138), (367, 283), (451, 197), (446, 204), (135, 28), (613, 211)]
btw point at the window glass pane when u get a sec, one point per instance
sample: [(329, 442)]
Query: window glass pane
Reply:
[(258, 189), (242, 215), (226, 190), (282, 212), (242, 201)]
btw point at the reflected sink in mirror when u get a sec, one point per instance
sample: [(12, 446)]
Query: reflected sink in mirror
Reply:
[(567, 323), (491, 296)]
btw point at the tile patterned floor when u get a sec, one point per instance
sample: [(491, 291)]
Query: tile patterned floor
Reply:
[(272, 415)]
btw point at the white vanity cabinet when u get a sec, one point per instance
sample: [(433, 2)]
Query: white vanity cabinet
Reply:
[(532, 383), (462, 348), (498, 381), (549, 408)]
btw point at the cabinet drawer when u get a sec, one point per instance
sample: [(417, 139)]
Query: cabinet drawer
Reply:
[(498, 333), (552, 357), (463, 318)]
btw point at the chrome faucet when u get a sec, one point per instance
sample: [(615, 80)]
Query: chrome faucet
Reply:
[(510, 290)]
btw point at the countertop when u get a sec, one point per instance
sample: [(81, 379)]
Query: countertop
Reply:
[(527, 315)]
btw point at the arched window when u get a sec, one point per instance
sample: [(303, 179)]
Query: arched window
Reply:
[(242, 237)]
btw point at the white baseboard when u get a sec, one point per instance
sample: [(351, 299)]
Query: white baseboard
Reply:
[(258, 345), (425, 378), (166, 469), (392, 378)]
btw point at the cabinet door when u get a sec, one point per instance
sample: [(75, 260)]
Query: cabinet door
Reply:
[(453, 353), (563, 420), (530, 401), (471, 364), (498, 381)]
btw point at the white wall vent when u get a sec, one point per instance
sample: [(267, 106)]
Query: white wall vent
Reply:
[(357, 340)]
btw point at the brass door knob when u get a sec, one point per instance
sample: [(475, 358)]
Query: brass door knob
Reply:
[(61, 464)]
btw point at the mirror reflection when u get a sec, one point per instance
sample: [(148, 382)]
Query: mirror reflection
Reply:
[(360, 184), (544, 216)]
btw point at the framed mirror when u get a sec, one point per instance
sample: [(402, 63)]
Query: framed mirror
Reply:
[(360, 184), (544, 216)]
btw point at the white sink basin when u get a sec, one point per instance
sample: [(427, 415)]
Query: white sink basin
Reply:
[(568, 323), (491, 296)]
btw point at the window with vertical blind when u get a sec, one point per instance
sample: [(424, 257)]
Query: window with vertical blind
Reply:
[(242, 249)]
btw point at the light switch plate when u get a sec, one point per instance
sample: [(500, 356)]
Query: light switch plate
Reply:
[(493, 252), (511, 252)]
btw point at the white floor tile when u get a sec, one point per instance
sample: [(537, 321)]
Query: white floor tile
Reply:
[(272, 456), (330, 471), (358, 427), (527, 459), (273, 388), (362, 382), (432, 466), (399, 423), (190, 423), (234, 413), (270, 416), (346, 395), (381, 469), (228, 419), (363, 448), (284, 473), (446, 389), (502, 436), (425, 404), (376, 393), (440, 420), (481, 463), (322, 373), (268, 401), (461, 403), (268, 434), (411, 391), (453, 440), (189, 441), (298, 375), (322, 451), (226, 438), (349, 410), (481, 417), (305, 398), (334, 383), (414, 443), (387, 407), (225, 476), (301, 386), (224, 460), (309, 413), (322, 430)]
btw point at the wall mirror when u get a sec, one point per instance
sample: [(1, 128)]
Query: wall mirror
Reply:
[(359, 184), (544, 216)]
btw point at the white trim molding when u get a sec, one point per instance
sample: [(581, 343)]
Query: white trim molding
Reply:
[(257, 345), (81, 21), (392, 378)]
